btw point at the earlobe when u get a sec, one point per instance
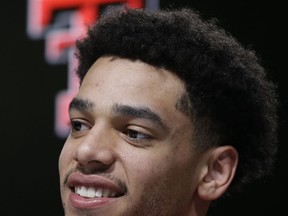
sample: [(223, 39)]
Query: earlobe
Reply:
[(220, 169)]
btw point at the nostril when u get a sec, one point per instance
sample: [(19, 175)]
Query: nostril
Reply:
[(94, 167), (91, 151)]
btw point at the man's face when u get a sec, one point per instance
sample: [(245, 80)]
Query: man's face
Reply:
[(130, 151)]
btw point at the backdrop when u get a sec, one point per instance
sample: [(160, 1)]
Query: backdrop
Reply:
[(35, 81)]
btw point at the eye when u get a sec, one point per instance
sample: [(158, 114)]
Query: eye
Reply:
[(133, 134), (78, 126), (138, 136)]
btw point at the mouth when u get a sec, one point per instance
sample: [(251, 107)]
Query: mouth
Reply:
[(92, 192), (95, 186)]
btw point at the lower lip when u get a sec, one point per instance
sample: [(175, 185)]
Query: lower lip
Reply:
[(89, 203)]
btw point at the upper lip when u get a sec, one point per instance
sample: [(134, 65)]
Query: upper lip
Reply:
[(102, 184)]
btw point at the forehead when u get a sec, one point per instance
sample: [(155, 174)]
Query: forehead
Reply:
[(135, 68), (132, 76), (113, 80)]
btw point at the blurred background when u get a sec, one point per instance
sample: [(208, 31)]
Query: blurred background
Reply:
[(36, 85)]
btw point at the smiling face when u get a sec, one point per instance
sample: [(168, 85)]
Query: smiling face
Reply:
[(130, 149)]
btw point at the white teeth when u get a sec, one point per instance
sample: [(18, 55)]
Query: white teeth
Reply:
[(91, 192), (82, 191), (99, 193)]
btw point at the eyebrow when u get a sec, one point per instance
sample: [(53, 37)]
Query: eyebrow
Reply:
[(139, 112), (81, 104)]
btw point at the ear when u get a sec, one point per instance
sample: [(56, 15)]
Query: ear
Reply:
[(221, 164)]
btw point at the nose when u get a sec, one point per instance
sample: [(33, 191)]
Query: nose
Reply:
[(96, 151)]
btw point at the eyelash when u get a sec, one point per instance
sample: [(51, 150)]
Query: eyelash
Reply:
[(130, 133), (76, 123)]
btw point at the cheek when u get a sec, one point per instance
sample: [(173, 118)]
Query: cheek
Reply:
[(167, 167), (146, 169), (156, 180)]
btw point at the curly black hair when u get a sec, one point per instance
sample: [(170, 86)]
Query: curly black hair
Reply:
[(229, 97)]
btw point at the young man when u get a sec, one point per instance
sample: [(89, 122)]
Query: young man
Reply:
[(172, 113)]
